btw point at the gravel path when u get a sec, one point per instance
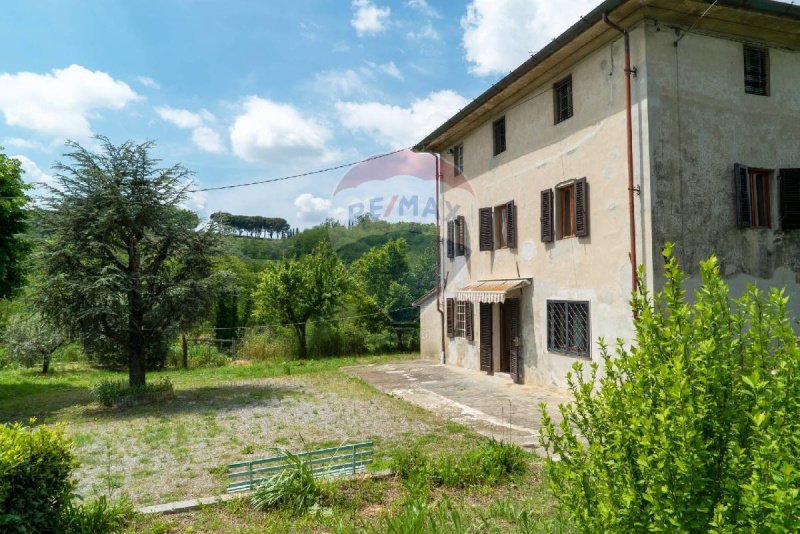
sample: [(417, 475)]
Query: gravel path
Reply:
[(179, 450)]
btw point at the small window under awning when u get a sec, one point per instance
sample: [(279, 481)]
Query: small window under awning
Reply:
[(490, 290)]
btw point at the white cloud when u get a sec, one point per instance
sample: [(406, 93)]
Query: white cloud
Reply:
[(369, 19), (196, 201), (33, 173), (202, 135), (311, 208), (19, 142), (423, 7), (208, 140), (398, 127), (270, 131), (501, 34), (426, 33), (390, 69), (148, 82), (60, 103), (342, 83), (183, 118)]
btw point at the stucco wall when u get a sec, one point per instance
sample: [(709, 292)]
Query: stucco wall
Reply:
[(702, 123), (541, 155), (430, 331)]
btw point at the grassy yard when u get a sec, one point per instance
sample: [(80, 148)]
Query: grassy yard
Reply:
[(179, 449)]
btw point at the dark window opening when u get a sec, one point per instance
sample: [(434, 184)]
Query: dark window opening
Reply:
[(760, 209), (562, 94), (790, 199), (756, 71), (499, 135), (458, 159), (568, 327), (566, 211), (501, 226)]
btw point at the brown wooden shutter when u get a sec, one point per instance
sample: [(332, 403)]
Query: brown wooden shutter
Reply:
[(581, 201), (461, 236), (451, 231), (486, 338), (790, 198), (741, 178), (451, 318), (469, 327), (514, 340), (547, 216), (511, 225), (486, 239)]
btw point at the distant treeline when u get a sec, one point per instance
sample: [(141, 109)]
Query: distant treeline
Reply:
[(254, 225)]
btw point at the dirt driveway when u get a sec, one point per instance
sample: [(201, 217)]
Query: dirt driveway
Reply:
[(490, 405)]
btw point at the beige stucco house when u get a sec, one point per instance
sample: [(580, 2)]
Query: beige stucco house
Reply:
[(536, 264)]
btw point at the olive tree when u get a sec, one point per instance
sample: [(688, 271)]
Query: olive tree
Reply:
[(123, 266), (30, 340)]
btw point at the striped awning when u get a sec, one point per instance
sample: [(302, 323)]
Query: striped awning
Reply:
[(490, 290)]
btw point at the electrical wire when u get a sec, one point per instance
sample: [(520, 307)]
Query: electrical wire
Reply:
[(301, 175), (693, 26)]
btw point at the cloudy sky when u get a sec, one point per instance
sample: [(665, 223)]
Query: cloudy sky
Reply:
[(242, 90)]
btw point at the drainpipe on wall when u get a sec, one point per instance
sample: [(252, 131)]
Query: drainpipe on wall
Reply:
[(439, 277), (628, 107)]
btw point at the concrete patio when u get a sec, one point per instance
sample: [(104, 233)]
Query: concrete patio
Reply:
[(491, 405)]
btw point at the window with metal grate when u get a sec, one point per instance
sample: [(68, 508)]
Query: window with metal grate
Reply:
[(568, 327), (756, 71)]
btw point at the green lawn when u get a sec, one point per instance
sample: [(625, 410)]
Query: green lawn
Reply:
[(179, 449)]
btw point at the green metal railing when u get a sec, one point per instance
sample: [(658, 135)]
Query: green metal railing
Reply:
[(344, 460)]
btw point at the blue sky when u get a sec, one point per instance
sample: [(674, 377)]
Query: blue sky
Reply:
[(241, 90)]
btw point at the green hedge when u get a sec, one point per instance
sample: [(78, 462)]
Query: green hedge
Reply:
[(35, 486)]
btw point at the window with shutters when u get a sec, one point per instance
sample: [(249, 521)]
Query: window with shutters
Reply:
[(460, 231), (463, 320), (562, 99), (485, 229), (756, 71), (572, 205), (499, 135), (451, 239), (566, 211), (790, 198), (458, 159), (753, 197), (501, 226), (546, 218), (568, 327)]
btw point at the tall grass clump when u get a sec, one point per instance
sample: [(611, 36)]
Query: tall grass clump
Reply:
[(199, 356), (294, 488), (489, 463), (263, 345), (695, 427)]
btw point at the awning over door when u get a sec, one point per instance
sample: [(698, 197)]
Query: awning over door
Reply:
[(490, 290)]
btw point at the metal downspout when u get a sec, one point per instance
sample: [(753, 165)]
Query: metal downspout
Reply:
[(631, 189), (439, 265)]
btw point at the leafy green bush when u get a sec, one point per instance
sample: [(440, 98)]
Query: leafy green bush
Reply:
[(108, 390), (294, 488), (35, 486), (491, 462), (202, 356), (96, 517), (695, 427)]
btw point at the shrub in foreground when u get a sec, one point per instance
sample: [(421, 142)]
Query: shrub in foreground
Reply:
[(35, 485), (98, 516), (695, 427), (293, 488), (110, 391)]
